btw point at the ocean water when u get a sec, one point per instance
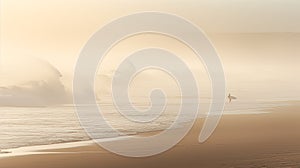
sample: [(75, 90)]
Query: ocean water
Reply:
[(31, 126)]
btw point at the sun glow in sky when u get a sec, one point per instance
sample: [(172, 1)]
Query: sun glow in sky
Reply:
[(258, 41)]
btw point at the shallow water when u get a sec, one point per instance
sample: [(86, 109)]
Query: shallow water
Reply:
[(30, 126)]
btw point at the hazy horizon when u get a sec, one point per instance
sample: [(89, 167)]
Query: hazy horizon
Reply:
[(260, 54)]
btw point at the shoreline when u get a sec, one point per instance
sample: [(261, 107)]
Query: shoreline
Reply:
[(42, 149), (240, 141)]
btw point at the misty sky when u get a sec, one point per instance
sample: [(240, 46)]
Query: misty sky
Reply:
[(258, 41)]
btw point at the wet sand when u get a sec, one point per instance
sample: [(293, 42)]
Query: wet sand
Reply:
[(240, 141)]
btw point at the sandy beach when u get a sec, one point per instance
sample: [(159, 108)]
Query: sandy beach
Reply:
[(260, 140), (74, 73)]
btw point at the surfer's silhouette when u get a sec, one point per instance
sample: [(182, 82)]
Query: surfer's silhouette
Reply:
[(230, 97)]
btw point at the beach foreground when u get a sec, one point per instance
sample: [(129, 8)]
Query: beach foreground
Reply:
[(260, 140)]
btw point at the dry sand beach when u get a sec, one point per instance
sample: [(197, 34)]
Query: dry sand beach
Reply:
[(259, 140)]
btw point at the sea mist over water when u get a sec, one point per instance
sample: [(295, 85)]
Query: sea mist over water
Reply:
[(261, 66), (259, 69), (31, 82)]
